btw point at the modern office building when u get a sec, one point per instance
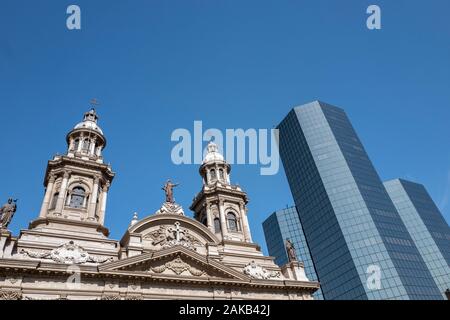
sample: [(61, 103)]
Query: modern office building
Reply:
[(426, 225), (285, 224), (360, 246)]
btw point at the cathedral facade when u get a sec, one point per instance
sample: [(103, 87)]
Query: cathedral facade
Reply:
[(66, 252)]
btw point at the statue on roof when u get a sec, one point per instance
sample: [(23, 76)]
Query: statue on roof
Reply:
[(290, 249), (168, 189), (7, 212)]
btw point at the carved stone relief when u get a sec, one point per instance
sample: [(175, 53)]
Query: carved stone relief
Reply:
[(256, 271), (178, 266), (10, 295), (169, 236), (68, 253)]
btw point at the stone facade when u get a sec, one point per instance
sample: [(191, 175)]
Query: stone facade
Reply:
[(66, 252)]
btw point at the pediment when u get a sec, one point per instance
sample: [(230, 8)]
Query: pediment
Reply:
[(177, 262), (162, 231)]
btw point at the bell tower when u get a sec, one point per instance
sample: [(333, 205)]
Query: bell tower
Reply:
[(77, 183), (220, 205)]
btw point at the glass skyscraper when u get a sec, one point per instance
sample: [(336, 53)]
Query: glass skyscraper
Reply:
[(426, 225), (360, 247), (285, 224)]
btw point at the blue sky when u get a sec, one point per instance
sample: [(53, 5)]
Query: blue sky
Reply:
[(159, 65)]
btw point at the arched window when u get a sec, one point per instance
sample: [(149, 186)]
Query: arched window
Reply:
[(85, 147), (54, 201), (76, 144), (216, 225), (221, 176), (232, 222), (77, 198), (213, 174)]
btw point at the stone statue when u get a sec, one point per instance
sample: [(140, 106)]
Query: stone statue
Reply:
[(7, 213), (290, 249), (168, 189)]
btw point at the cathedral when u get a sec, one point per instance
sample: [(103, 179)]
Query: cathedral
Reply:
[(66, 252)]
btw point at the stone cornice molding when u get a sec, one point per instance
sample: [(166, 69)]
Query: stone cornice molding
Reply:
[(51, 269), (84, 223)]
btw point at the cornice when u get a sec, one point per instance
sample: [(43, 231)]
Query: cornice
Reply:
[(94, 225), (63, 161), (52, 269)]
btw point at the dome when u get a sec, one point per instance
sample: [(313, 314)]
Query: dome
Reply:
[(213, 154), (89, 122), (89, 125)]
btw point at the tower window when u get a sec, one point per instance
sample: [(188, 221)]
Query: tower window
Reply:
[(77, 198), (232, 222), (86, 144), (217, 225), (76, 144), (54, 201), (213, 174), (221, 176)]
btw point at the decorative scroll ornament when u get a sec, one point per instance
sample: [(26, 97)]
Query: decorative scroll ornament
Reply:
[(167, 237), (178, 266), (10, 295), (171, 208), (111, 297), (68, 253), (256, 271)]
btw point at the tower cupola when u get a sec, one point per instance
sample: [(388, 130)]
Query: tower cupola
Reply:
[(214, 168), (221, 206), (86, 140)]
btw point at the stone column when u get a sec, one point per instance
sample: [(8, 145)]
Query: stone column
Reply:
[(71, 149), (93, 200), (208, 217), (92, 147), (246, 227), (62, 193), (48, 196), (80, 144), (5, 237), (223, 222), (103, 205)]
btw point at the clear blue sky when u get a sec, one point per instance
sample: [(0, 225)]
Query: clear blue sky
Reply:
[(159, 65)]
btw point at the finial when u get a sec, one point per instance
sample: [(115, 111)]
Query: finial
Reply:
[(134, 220), (212, 147)]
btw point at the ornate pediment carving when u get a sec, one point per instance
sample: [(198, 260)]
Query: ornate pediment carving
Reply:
[(170, 236), (171, 208), (256, 271), (178, 266), (68, 253), (177, 261)]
